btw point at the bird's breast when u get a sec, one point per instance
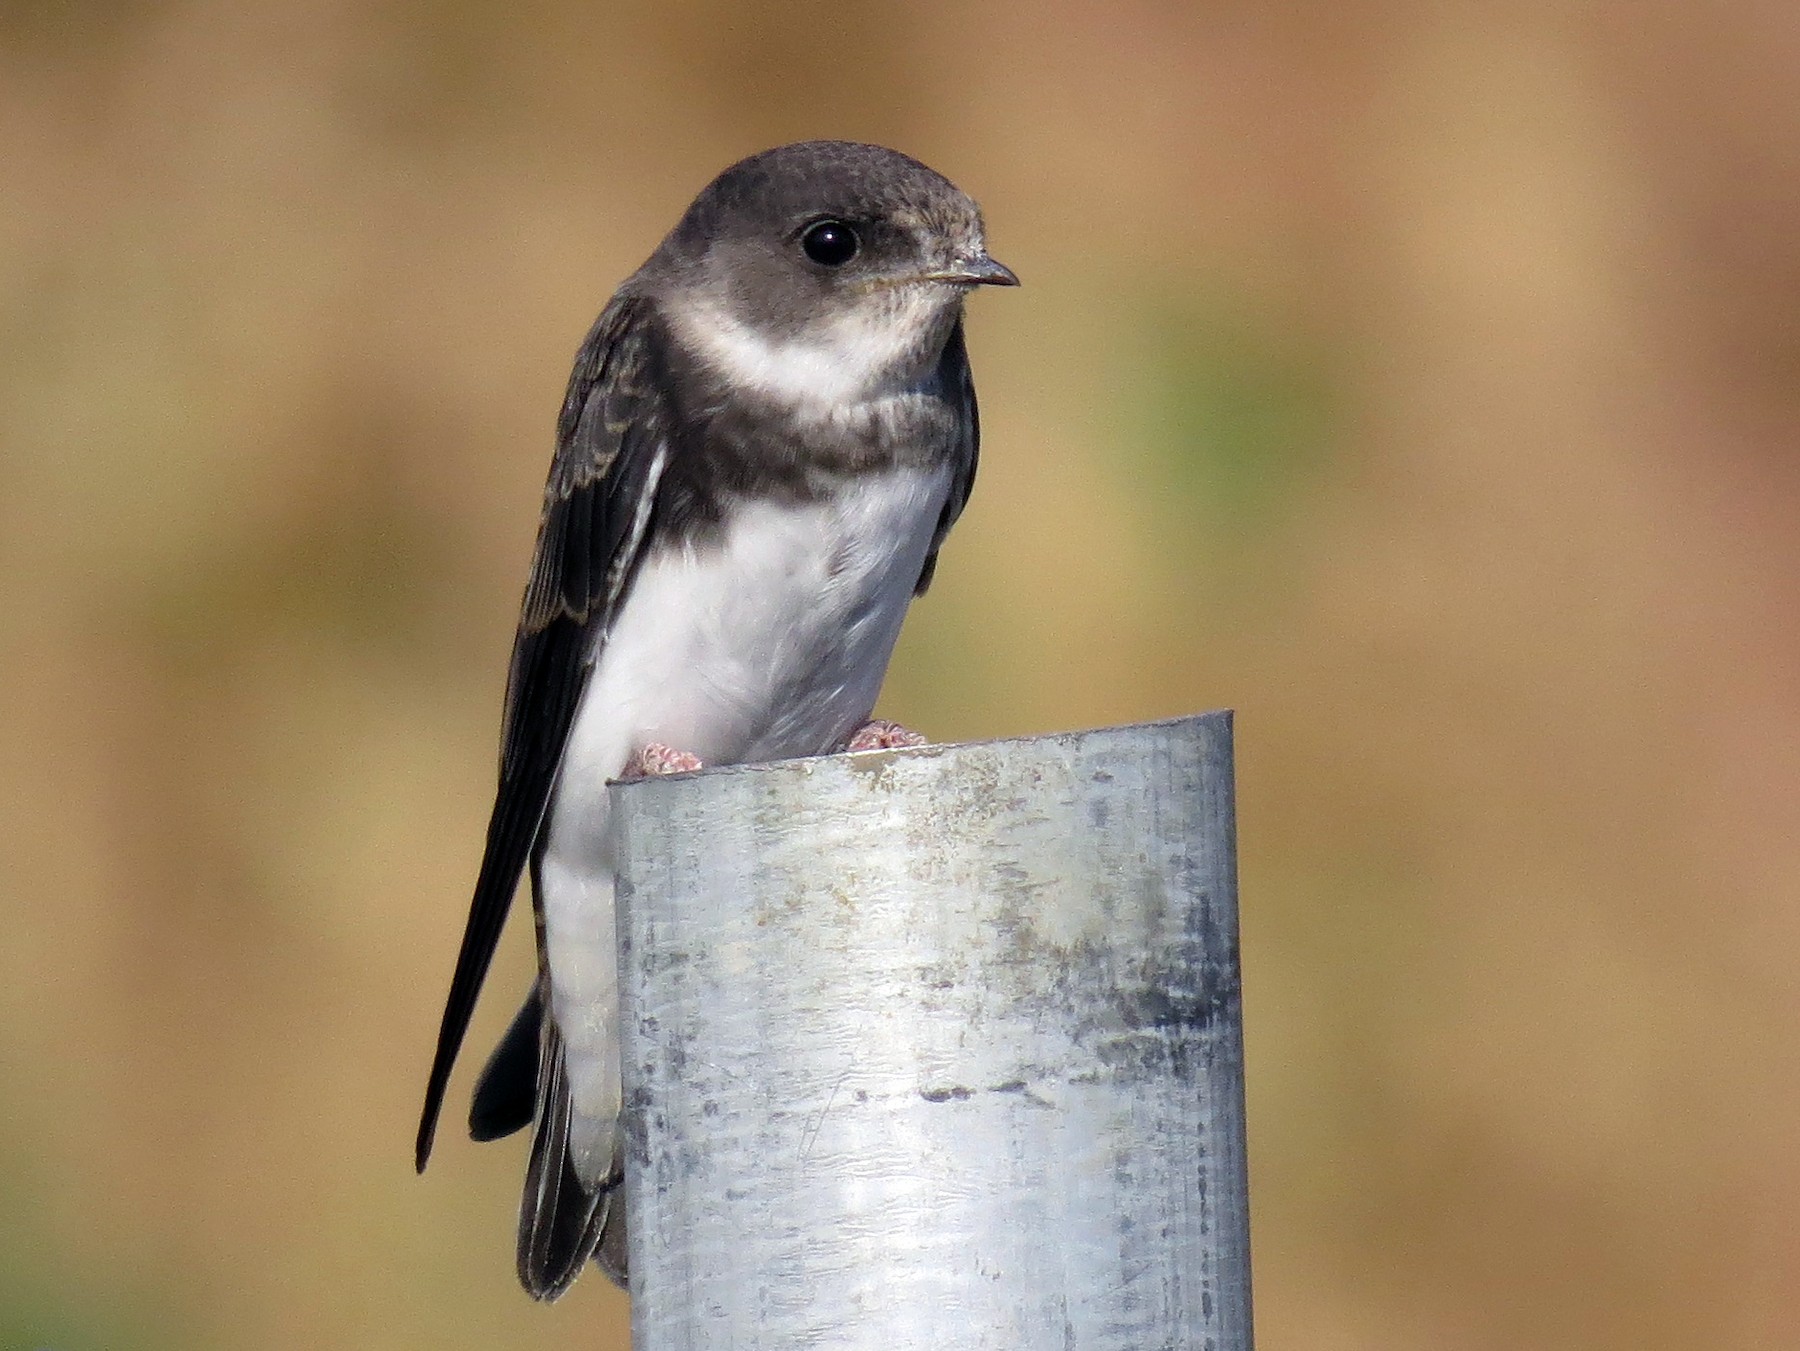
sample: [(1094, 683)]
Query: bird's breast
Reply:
[(769, 637)]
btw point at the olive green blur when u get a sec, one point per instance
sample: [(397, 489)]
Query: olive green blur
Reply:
[(1422, 381)]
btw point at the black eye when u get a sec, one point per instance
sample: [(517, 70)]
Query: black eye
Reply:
[(830, 243)]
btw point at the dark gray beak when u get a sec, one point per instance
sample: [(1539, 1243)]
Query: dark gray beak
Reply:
[(982, 271)]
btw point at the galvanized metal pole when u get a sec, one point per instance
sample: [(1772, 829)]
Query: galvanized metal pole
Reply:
[(938, 1049)]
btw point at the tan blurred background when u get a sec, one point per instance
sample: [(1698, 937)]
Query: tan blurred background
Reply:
[(1421, 380)]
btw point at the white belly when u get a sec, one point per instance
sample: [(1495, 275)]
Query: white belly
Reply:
[(767, 642)]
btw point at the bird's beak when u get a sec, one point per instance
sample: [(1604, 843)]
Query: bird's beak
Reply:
[(978, 271)]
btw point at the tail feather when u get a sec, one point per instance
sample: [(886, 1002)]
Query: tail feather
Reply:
[(561, 1222), (506, 1093), (610, 1255)]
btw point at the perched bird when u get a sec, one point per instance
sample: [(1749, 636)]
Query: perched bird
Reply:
[(768, 433)]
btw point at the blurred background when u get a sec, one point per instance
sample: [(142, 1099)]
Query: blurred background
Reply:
[(1422, 381)]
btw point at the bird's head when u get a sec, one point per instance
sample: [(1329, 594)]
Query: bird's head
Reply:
[(825, 271)]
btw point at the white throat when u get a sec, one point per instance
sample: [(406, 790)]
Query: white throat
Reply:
[(834, 366)]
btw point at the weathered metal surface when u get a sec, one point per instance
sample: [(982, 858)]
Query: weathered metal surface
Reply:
[(938, 1049)]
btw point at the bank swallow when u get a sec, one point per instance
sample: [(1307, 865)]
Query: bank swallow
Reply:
[(768, 433)]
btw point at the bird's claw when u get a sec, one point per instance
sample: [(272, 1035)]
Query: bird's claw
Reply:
[(882, 735), (656, 759)]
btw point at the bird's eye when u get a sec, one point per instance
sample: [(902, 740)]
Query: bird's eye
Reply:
[(830, 243)]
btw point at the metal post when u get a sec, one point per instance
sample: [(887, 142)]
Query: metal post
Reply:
[(938, 1050)]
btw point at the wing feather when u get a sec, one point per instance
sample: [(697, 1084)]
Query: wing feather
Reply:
[(959, 387), (612, 442)]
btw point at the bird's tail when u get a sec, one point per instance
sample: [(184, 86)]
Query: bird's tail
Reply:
[(562, 1222), (506, 1093)]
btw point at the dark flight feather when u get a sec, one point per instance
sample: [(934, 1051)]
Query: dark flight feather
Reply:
[(611, 445), (506, 1089), (958, 385), (560, 1221)]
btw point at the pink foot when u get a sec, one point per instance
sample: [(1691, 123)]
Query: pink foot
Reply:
[(657, 758), (882, 735)]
